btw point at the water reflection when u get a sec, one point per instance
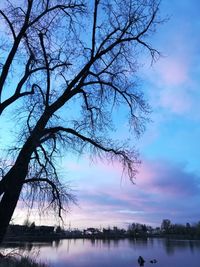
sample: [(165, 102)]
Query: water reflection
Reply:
[(117, 253), (25, 245), (139, 242), (172, 246)]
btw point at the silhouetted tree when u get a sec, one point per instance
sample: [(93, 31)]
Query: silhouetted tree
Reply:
[(137, 230), (166, 225), (26, 223), (69, 86), (32, 226)]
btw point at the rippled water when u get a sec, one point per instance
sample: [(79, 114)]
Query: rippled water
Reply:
[(117, 253)]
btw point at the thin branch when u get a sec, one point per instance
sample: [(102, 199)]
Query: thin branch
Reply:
[(94, 27), (9, 24), (48, 79), (61, 7), (55, 191), (83, 138), (13, 98), (14, 49)]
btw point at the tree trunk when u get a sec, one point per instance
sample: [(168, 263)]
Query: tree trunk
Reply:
[(13, 183), (7, 206), (14, 179)]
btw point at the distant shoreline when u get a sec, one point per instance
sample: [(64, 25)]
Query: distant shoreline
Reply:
[(32, 233), (31, 239)]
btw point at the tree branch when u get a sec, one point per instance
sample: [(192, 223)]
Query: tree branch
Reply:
[(9, 24), (55, 191), (48, 79), (61, 7), (126, 157), (94, 27)]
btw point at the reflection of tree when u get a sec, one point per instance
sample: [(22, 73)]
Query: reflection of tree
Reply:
[(171, 245), (151, 241), (68, 245), (116, 243), (92, 240), (168, 247), (139, 243), (57, 243), (191, 245), (107, 243)]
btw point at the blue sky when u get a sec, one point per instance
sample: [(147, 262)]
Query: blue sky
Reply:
[(168, 181), (175, 82)]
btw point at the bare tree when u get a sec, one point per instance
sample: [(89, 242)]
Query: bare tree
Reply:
[(69, 65)]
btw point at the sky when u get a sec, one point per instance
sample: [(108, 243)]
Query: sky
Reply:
[(167, 185)]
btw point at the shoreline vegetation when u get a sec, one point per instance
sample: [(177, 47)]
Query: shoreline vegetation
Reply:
[(29, 232), (19, 262)]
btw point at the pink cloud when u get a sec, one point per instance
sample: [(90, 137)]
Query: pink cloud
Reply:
[(167, 179), (174, 75), (173, 84), (173, 71), (105, 199)]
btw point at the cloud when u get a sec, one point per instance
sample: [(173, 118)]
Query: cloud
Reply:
[(174, 89), (177, 100), (174, 79), (173, 71), (163, 189), (164, 177)]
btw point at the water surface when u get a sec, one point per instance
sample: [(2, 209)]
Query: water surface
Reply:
[(117, 253)]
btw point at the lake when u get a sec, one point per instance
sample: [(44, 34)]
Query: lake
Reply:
[(115, 253)]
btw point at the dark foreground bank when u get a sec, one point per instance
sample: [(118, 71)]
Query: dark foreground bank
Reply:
[(19, 262)]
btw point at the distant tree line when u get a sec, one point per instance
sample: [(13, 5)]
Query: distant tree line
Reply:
[(139, 230), (191, 230), (29, 231)]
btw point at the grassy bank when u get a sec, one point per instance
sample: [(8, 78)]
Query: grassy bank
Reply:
[(21, 262)]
